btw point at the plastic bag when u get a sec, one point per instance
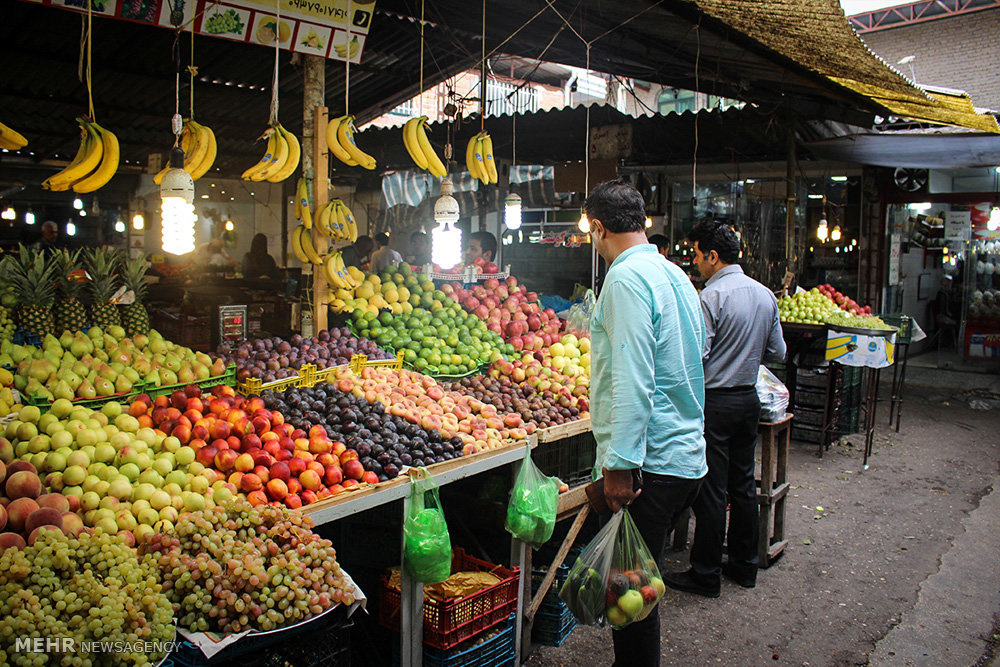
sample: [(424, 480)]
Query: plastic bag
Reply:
[(426, 542), (773, 396), (531, 512), (579, 315), (615, 579)]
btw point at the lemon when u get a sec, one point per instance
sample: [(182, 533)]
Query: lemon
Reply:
[(390, 295)]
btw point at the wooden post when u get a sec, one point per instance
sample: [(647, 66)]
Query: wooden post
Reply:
[(315, 166)]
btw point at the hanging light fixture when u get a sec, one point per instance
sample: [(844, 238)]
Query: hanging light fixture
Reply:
[(119, 226), (29, 218), (8, 213), (993, 223), (176, 207), (138, 222), (70, 229), (835, 234), (823, 231), (229, 225), (446, 237), (584, 224), (649, 222), (78, 204), (512, 211)]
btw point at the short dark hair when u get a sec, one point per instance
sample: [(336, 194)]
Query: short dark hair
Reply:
[(487, 242), (718, 236), (381, 239), (618, 205), (364, 245), (660, 241)]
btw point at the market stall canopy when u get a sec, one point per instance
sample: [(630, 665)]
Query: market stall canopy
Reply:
[(937, 148)]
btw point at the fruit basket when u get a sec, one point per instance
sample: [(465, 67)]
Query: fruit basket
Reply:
[(44, 403), (227, 378), (447, 623)]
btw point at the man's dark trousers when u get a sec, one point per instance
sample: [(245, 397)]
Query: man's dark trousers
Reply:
[(731, 419), (655, 511)]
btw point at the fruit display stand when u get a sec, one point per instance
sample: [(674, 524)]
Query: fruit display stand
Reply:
[(469, 275)]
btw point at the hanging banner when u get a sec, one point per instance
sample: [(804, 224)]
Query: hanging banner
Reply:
[(334, 29)]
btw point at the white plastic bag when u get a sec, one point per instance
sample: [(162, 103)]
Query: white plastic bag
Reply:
[(773, 396), (578, 319)]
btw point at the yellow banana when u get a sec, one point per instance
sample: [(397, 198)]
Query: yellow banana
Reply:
[(292, 161), (491, 165), (303, 199), (277, 160), (484, 174), (87, 158), (330, 273), (108, 167), (11, 138), (334, 144), (305, 240), (349, 279), (350, 224), (345, 136), (297, 244), (411, 143), (272, 146), (297, 199), (206, 136), (434, 164), (470, 157), (195, 155), (338, 221), (323, 219)]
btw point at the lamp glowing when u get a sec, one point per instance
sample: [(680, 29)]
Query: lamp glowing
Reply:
[(78, 204), (229, 225), (446, 238), (822, 232), (138, 222), (649, 222), (29, 218), (584, 224), (70, 229), (993, 223), (119, 226), (176, 207), (512, 211), (8, 213), (835, 234)]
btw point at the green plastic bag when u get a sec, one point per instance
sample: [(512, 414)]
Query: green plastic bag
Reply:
[(615, 579), (426, 542), (531, 513)]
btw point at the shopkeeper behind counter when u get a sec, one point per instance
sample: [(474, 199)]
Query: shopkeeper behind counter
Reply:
[(258, 262)]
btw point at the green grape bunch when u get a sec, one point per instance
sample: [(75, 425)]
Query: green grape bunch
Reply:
[(845, 319), (86, 588), (242, 568)]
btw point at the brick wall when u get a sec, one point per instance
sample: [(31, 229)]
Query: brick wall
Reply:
[(957, 52)]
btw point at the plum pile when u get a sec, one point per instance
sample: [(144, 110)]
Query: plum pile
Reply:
[(385, 443), (270, 359), (542, 408)]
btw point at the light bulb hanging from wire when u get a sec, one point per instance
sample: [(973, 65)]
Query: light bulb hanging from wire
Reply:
[(446, 237)]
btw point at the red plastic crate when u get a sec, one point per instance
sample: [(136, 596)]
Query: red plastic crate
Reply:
[(450, 622)]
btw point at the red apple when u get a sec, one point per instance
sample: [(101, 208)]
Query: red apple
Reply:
[(206, 455)]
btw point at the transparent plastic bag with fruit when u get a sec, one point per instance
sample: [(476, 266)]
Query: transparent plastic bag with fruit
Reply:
[(773, 395), (426, 542), (579, 315), (531, 512), (615, 579)]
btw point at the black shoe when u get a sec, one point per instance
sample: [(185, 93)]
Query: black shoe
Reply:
[(687, 582), (738, 576)]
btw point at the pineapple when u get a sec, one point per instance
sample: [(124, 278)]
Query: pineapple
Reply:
[(69, 312), (33, 280), (134, 316), (102, 265)]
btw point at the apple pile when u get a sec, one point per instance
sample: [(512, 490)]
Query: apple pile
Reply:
[(843, 302), (562, 370), (422, 400), (124, 477), (510, 311), (384, 442), (482, 266), (271, 359), (25, 511), (252, 448), (507, 396)]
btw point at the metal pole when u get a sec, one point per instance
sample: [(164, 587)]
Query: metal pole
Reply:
[(315, 165)]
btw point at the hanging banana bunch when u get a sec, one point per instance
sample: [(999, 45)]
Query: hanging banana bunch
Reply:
[(96, 161), (340, 139), (302, 246), (337, 274), (336, 221), (11, 139), (280, 159), (302, 210), (479, 158), (198, 143), (419, 147)]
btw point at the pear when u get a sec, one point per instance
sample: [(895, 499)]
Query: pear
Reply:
[(72, 379), (5, 359), (118, 367), (66, 340), (168, 376), (50, 342), (86, 390), (18, 354), (142, 365), (63, 390), (103, 387), (80, 368), (95, 332), (6, 346), (203, 358), (159, 359), (38, 370), (140, 340), (202, 372), (173, 363), (20, 382), (131, 374), (185, 374), (54, 356), (157, 346), (81, 346), (115, 332), (34, 387), (122, 385), (100, 355), (153, 378), (218, 368)]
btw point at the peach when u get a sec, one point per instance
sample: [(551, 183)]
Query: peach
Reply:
[(3, 517), (8, 540), (206, 455), (20, 466), (353, 469), (235, 479), (243, 463), (309, 497), (257, 498), (293, 501), (43, 516), (23, 484), (72, 524), (251, 482), (54, 500), (280, 471), (294, 485), (33, 535), (333, 475), (277, 489), (369, 477), (296, 465), (349, 484), (263, 473), (310, 480)]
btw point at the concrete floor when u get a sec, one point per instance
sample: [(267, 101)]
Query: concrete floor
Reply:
[(895, 565)]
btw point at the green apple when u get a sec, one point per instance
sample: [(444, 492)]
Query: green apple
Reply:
[(101, 488), (193, 501), (151, 477), (40, 443), (199, 484), (147, 516), (74, 475), (616, 616), (121, 488), (655, 582), (130, 471), (169, 514), (38, 460), (148, 436), (160, 499), (45, 421), (143, 492), (112, 409), (142, 533), (138, 505), (55, 462), (631, 603), (176, 478), (119, 440), (109, 473), (171, 444), (78, 458), (163, 466), (104, 453)]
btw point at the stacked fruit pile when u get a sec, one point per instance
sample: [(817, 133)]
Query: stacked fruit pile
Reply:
[(842, 301), (25, 511), (561, 370), (252, 447), (103, 363), (510, 311), (811, 307), (271, 359), (507, 396), (243, 568), (123, 475), (48, 288), (85, 588), (435, 334), (380, 442)]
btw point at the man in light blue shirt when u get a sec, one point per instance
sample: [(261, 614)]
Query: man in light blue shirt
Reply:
[(647, 386)]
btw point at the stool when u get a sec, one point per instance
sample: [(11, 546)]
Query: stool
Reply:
[(774, 439)]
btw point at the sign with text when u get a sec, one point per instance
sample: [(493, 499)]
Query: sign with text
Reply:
[(334, 29), (611, 142), (957, 226)]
